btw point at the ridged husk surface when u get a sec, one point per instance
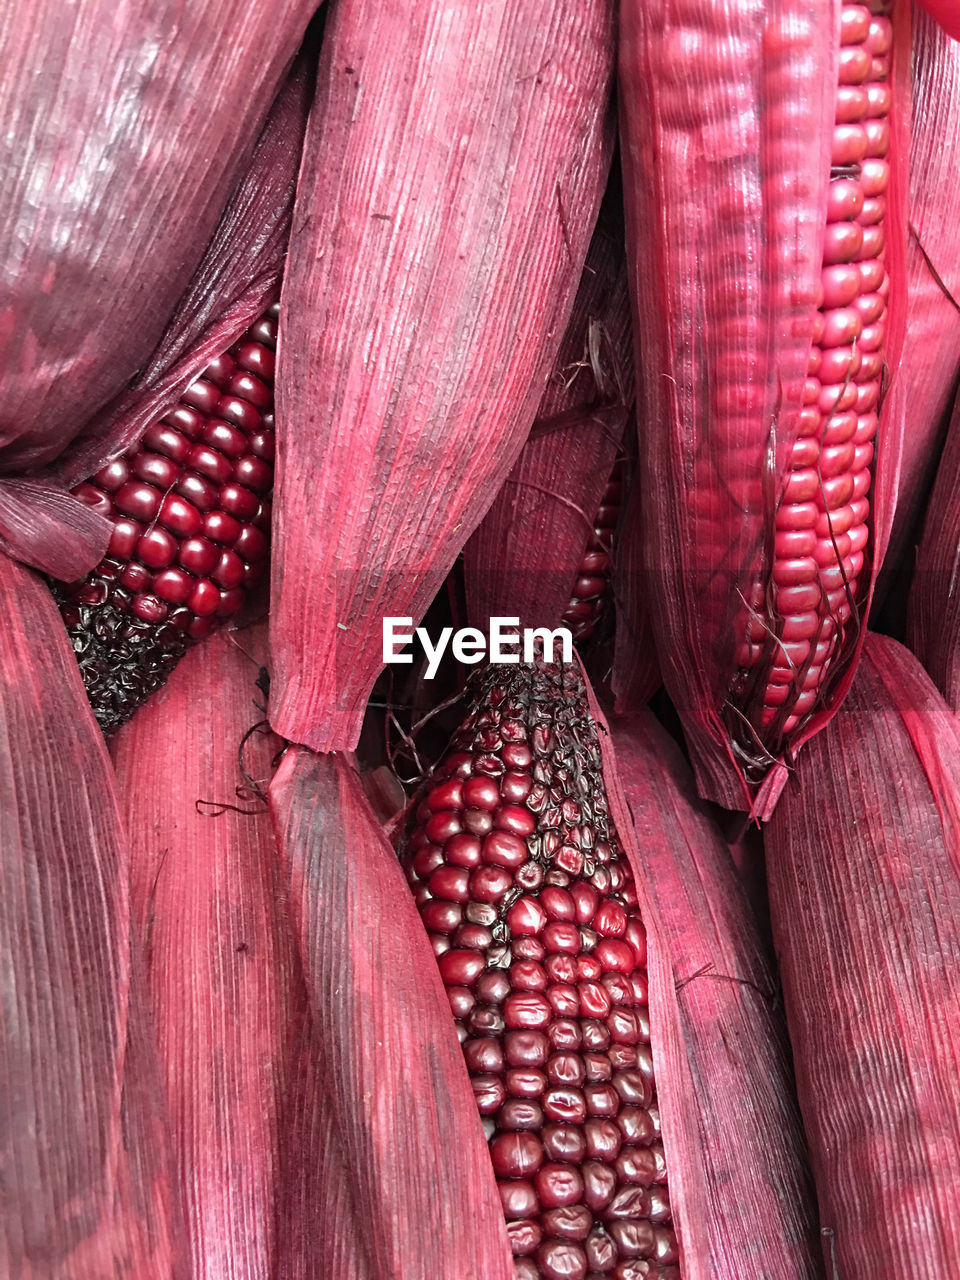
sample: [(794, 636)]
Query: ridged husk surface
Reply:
[(381, 1087), (127, 127), (454, 165), (223, 979), (863, 866), (933, 618), (525, 556), (930, 370), (86, 1180)]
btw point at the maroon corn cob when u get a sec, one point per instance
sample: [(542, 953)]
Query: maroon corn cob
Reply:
[(191, 511), (589, 595), (793, 629), (532, 911)]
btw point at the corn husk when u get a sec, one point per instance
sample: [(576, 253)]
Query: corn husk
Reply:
[(739, 1179), (525, 556), (931, 345), (945, 13), (635, 677), (727, 115), (454, 164), (127, 128), (86, 1186), (863, 864), (222, 974), (237, 279), (395, 1107), (933, 619)]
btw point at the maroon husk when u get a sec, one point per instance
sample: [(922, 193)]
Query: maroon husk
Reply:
[(127, 127), (395, 1099), (863, 867), (524, 557), (419, 328)]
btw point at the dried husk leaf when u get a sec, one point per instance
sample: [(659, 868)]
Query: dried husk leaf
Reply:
[(739, 1179), (237, 279), (863, 864), (396, 1108), (931, 347), (454, 164), (933, 619), (525, 556), (222, 973), (86, 1189), (127, 127), (636, 671), (726, 120), (945, 12)]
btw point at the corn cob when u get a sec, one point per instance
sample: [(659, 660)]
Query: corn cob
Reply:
[(191, 518), (588, 598), (777, 277), (797, 622), (531, 908)]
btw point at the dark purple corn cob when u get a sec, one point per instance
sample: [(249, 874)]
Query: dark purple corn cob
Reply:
[(532, 911), (191, 512), (589, 596)]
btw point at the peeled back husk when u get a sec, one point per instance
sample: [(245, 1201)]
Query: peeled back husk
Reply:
[(87, 1191), (741, 1186), (454, 164), (863, 866), (127, 128), (930, 369)]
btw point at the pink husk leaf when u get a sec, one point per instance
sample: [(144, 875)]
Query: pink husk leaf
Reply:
[(739, 1180), (418, 332), (237, 279), (930, 367), (222, 973), (863, 864), (525, 555), (86, 1188), (393, 1079), (130, 125)]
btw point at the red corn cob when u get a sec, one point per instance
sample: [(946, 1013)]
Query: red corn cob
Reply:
[(589, 596), (191, 523), (796, 625), (532, 911)]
